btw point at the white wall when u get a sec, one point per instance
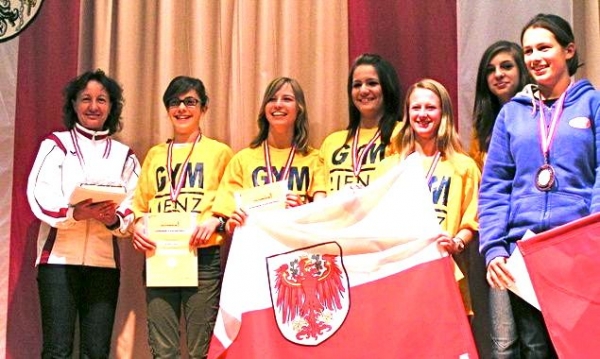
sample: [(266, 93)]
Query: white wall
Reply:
[(483, 22)]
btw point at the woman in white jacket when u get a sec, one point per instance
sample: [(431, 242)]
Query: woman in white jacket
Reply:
[(77, 252)]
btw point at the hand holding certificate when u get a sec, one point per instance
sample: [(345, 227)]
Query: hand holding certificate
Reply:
[(173, 263)]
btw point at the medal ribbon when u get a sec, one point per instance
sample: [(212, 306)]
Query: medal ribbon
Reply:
[(547, 135), (436, 159), (175, 188), (358, 156), (285, 173), (79, 153)]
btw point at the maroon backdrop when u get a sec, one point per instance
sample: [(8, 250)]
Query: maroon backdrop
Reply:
[(47, 61), (406, 34)]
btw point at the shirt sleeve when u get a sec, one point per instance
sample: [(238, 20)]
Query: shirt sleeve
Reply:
[(144, 191), (45, 193), (130, 176), (207, 204), (231, 182), (494, 194), (318, 181), (470, 197)]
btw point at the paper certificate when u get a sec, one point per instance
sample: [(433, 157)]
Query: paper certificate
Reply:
[(522, 286), (173, 263), (98, 193), (266, 197)]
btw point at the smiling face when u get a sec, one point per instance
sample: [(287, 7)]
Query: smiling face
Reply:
[(185, 115), (503, 76), (281, 109), (367, 94), (545, 58), (425, 113), (92, 106)]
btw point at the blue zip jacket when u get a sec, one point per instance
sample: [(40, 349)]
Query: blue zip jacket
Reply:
[(509, 202)]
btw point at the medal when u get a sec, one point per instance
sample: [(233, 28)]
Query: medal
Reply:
[(545, 175), (544, 179)]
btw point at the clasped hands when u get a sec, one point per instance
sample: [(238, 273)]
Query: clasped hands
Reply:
[(105, 212)]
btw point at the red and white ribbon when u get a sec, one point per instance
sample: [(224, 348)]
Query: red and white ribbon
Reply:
[(177, 184), (285, 173), (358, 156)]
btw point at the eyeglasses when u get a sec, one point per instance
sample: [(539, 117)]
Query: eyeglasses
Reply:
[(188, 102)]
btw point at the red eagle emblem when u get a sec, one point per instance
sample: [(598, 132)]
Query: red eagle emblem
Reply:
[(309, 292)]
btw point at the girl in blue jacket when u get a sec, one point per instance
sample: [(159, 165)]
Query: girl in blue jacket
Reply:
[(542, 166)]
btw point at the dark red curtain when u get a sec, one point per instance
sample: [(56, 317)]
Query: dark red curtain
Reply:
[(47, 61), (418, 38)]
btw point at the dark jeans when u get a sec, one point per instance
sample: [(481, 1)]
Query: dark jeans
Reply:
[(532, 332), (67, 291), (503, 331), (200, 305)]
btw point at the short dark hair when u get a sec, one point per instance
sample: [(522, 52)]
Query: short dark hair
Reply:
[(390, 86), (115, 92), (182, 84), (561, 30), (300, 124)]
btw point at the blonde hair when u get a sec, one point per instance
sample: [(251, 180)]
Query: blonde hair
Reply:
[(301, 126), (447, 141)]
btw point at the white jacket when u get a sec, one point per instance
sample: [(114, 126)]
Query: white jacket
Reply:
[(66, 159)]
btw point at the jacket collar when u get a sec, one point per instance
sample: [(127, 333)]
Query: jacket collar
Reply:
[(91, 134)]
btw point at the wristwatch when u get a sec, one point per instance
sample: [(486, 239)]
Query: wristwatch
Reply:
[(221, 226), (460, 243), (115, 225)]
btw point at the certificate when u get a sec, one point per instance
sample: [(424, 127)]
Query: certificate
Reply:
[(266, 197), (173, 263), (98, 193), (523, 287)]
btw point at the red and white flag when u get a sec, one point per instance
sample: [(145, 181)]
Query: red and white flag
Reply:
[(564, 266), (352, 276)]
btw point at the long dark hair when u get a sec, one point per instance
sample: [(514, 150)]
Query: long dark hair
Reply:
[(390, 86), (487, 106), (300, 125), (115, 92)]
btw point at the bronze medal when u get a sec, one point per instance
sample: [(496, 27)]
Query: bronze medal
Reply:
[(544, 178)]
